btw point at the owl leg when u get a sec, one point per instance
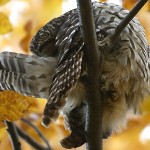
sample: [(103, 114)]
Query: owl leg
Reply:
[(75, 121)]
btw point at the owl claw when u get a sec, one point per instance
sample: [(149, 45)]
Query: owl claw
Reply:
[(106, 134), (74, 140)]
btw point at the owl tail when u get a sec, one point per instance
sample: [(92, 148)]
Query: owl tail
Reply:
[(27, 74)]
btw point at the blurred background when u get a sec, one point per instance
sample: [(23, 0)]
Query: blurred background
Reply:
[(19, 21)]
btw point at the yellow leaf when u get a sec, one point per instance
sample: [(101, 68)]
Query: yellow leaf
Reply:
[(2, 2), (14, 105), (5, 25), (130, 138), (145, 107)]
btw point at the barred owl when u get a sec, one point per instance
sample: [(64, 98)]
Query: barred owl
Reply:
[(57, 70)]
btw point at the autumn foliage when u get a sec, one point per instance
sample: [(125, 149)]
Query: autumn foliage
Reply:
[(19, 21)]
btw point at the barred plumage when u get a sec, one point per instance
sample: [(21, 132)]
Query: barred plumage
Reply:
[(20, 72), (125, 70)]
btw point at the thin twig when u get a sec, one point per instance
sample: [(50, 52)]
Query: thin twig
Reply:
[(37, 131), (30, 140), (126, 20), (11, 129), (94, 62)]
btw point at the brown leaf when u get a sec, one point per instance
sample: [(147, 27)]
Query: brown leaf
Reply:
[(24, 43)]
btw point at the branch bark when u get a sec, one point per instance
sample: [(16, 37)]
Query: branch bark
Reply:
[(30, 140), (126, 21), (94, 62), (38, 132), (11, 129)]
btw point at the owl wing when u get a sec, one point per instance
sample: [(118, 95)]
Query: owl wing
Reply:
[(26, 74), (68, 70), (44, 42)]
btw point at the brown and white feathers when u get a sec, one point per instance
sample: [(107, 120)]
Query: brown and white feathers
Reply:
[(125, 72)]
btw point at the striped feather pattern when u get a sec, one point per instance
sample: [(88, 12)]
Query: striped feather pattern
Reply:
[(63, 82), (125, 70), (20, 73), (131, 53), (46, 36)]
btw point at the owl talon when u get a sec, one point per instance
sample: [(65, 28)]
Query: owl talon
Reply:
[(106, 134), (74, 140)]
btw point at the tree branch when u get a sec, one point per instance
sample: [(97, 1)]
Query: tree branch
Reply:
[(30, 140), (94, 62), (11, 129), (38, 132), (126, 21)]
